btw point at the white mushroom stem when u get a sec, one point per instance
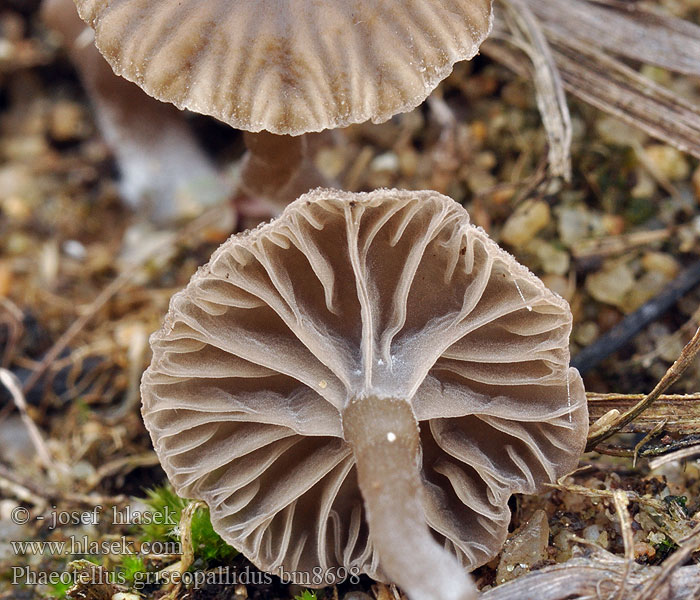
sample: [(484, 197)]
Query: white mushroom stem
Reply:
[(279, 168), (164, 171), (385, 439)]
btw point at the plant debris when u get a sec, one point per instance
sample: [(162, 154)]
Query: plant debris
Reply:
[(605, 209)]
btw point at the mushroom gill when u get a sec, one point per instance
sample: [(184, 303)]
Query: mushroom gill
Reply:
[(363, 383)]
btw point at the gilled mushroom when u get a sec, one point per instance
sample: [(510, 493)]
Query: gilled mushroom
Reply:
[(288, 67), (163, 170), (363, 383), (278, 168)]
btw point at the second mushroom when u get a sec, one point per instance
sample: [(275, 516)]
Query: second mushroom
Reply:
[(362, 384), (287, 67)]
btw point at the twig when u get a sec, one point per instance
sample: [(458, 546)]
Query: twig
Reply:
[(649, 436), (108, 292), (185, 527), (678, 455), (551, 100), (632, 324), (621, 501), (22, 490), (186, 547), (681, 412), (147, 459), (42, 495), (649, 451), (12, 384), (674, 372), (596, 577), (617, 244)]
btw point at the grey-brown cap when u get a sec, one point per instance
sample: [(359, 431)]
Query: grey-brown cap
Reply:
[(288, 66), (282, 365)]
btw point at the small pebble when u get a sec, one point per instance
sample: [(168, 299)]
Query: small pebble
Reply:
[(646, 287), (578, 223), (586, 333), (409, 161), (592, 533), (616, 132), (669, 162), (526, 547), (526, 222), (74, 249), (68, 122), (555, 261), (642, 549), (611, 284), (662, 263), (388, 161)]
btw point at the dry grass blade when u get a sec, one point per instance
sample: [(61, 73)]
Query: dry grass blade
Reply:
[(595, 578), (527, 35), (672, 456), (626, 29), (674, 372), (650, 449), (12, 384), (581, 490), (127, 463), (599, 78), (612, 86), (207, 219), (645, 440), (11, 320), (621, 501)]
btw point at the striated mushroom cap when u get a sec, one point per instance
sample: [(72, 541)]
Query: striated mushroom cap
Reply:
[(392, 298), (288, 66)]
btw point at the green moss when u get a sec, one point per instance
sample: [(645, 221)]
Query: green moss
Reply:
[(58, 590), (161, 500), (132, 565), (208, 545), (639, 210), (306, 595), (209, 549), (663, 549)]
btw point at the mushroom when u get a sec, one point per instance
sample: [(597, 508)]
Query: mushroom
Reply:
[(163, 170), (362, 384), (288, 67), (278, 168)]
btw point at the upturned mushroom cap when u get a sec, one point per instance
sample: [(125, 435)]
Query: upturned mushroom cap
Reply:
[(288, 66), (283, 364)]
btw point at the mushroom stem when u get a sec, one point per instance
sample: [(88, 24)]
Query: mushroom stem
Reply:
[(279, 168), (385, 439), (164, 171)]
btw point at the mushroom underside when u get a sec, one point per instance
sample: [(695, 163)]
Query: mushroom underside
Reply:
[(267, 357)]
